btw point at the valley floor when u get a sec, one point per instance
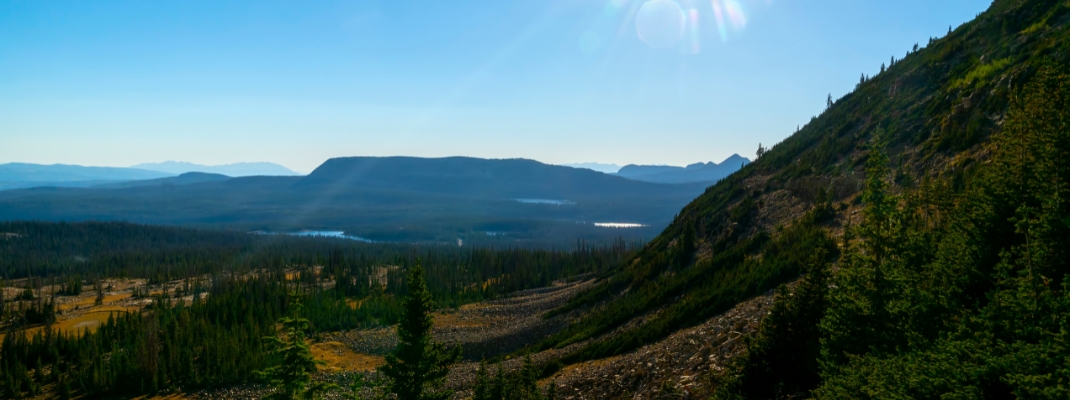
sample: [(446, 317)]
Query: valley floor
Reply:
[(679, 364)]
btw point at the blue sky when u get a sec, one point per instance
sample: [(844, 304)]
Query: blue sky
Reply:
[(124, 82)]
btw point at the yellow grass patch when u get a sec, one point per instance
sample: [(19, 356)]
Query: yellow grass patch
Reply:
[(340, 357), (91, 319)]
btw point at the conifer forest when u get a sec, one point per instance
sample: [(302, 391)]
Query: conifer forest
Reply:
[(911, 241)]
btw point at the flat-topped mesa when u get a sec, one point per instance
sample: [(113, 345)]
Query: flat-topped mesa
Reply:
[(509, 178)]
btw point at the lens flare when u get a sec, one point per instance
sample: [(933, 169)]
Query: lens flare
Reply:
[(660, 23), (718, 13), (613, 7), (692, 28), (735, 14), (728, 13)]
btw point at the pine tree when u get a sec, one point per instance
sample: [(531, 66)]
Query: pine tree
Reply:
[(782, 361), (418, 366), (868, 303), (291, 376), (482, 390), (39, 371), (527, 381), (11, 385), (100, 294), (500, 386), (63, 389)]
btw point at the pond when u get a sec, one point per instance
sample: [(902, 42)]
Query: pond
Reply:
[(326, 234), (546, 201), (618, 225)]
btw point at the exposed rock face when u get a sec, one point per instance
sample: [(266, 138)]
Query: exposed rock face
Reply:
[(680, 364)]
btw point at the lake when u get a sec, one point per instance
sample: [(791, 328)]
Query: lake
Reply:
[(546, 201), (326, 234), (618, 225)]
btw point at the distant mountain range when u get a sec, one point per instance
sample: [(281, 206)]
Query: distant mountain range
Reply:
[(233, 170), (603, 168), (512, 202), (22, 175), (700, 172), (709, 172)]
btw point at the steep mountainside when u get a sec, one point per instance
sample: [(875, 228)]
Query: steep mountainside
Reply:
[(934, 113)]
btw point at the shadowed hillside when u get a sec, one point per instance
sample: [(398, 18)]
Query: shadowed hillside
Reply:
[(934, 114), (512, 178)]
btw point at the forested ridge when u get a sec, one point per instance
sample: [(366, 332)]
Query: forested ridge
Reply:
[(931, 299), (965, 143)]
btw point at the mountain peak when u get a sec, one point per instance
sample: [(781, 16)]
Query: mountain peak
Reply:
[(735, 158)]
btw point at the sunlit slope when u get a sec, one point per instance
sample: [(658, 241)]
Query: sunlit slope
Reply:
[(938, 105)]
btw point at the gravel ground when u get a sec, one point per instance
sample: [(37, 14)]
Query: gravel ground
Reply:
[(682, 362), (484, 330), (677, 367)]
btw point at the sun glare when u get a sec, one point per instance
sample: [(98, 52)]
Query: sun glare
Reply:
[(676, 24), (660, 23)]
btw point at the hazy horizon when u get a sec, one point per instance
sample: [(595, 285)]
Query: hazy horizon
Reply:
[(586, 165), (125, 83)]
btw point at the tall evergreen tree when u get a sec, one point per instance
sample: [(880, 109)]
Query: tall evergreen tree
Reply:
[(782, 361), (483, 383), (418, 366), (294, 364), (865, 307)]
